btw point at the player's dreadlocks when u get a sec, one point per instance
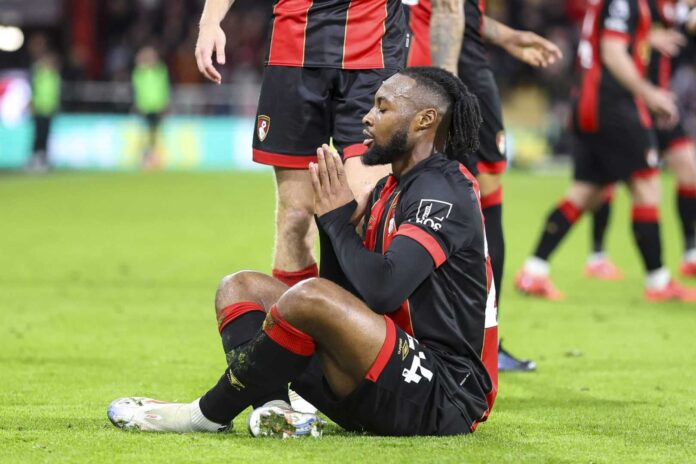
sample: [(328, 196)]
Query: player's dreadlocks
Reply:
[(463, 108)]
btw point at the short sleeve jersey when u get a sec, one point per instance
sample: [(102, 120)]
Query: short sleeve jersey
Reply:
[(344, 34), (453, 311), (473, 53), (599, 92)]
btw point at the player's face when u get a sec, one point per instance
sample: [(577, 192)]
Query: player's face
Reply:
[(387, 123)]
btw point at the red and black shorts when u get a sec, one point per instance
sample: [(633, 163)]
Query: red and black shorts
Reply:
[(622, 149), (407, 391), (490, 157), (301, 108), (669, 139)]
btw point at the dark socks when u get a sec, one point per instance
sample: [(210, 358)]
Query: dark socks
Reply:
[(264, 365), (646, 231), (238, 324), (686, 205), (556, 227), (492, 206), (600, 220)]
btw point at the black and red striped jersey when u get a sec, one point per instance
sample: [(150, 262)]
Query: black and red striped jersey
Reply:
[(345, 34), (453, 311), (660, 70), (627, 20), (473, 54)]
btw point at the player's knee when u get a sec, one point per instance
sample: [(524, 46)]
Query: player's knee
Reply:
[(232, 288), (305, 301)]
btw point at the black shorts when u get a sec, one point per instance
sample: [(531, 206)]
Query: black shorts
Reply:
[(301, 108), (407, 391), (490, 157), (675, 137), (622, 149)]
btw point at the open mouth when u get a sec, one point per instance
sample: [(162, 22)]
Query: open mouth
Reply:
[(368, 138)]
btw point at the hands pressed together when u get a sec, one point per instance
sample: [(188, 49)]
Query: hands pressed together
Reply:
[(331, 189)]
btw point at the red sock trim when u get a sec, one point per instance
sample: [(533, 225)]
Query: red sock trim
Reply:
[(645, 214), (385, 352), (608, 193), (232, 312), (357, 149), (645, 173), (687, 191), (492, 199), (287, 336), (571, 212), (291, 278), (680, 142)]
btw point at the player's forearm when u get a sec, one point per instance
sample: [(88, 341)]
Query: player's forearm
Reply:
[(382, 281), (214, 11), (496, 32), (620, 64), (446, 32)]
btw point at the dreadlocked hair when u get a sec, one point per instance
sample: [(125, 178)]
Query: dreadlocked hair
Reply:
[(465, 120)]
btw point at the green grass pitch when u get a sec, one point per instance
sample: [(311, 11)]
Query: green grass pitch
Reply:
[(106, 290)]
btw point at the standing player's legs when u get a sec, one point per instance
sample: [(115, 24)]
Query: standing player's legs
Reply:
[(680, 156), (598, 265), (533, 278), (293, 118), (488, 165)]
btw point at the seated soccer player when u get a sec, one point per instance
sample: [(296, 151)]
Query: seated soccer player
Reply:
[(403, 339)]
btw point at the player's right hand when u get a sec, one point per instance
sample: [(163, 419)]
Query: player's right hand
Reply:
[(667, 41), (662, 104), (211, 38)]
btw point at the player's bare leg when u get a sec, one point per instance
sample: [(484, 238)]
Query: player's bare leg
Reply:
[(533, 279), (681, 160), (293, 257), (363, 178)]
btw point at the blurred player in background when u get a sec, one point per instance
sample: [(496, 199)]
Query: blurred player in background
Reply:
[(429, 369), (615, 142), (151, 94), (676, 148), (452, 36), (45, 103), (324, 63)]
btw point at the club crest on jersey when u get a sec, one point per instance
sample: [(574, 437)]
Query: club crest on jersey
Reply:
[(263, 126), (500, 141), (432, 213), (652, 158)]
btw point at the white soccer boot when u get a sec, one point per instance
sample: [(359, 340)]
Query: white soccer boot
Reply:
[(277, 419), (148, 415)]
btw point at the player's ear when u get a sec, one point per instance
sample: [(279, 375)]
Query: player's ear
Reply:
[(426, 119)]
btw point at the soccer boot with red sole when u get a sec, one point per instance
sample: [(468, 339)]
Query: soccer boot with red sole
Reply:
[(603, 269), (536, 285), (688, 268), (671, 292)]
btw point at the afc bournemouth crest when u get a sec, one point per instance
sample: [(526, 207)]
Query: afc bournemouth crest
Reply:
[(263, 125)]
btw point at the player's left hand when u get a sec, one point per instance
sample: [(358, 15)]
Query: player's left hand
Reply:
[(532, 49), (331, 189)]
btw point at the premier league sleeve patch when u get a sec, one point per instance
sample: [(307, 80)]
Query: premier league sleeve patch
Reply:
[(433, 213)]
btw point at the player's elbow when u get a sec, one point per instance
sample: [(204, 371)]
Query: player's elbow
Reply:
[(382, 302)]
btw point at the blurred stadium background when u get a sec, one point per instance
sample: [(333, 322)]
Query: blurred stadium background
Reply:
[(107, 279), (209, 126)]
